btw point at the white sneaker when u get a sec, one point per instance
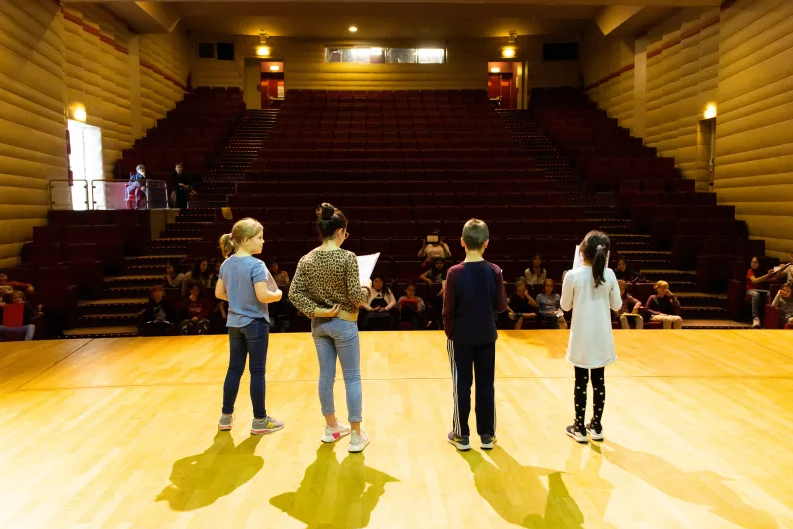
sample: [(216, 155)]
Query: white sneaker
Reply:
[(334, 433), (358, 441), (756, 323)]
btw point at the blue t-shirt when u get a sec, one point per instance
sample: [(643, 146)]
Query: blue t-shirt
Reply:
[(238, 275)]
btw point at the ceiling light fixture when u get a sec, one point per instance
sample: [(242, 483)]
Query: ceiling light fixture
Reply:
[(353, 29), (509, 51), (263, 50)]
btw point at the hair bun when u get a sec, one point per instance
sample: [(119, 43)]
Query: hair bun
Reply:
[(326, 211)]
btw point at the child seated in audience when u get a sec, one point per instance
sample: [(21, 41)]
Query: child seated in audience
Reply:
[(624, 273), (159, 314), (28, 313), (281, 311), (199, 275), (281, 277), (550, 308), (173, 277), (194, 312), (630, 312), (436, 274), (535, 274), (755, 295), (7, 287), (432, 251), (412, 308), (521, 307), (377, 310), (783, 302), (785, 272), (664, 307)]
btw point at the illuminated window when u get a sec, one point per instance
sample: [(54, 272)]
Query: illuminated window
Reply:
[(383, 55), (431, 56)]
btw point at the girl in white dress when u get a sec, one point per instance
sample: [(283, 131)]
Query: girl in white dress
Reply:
[(592, 291)]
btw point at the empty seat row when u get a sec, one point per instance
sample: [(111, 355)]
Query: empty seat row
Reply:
[(326, 188), (385, 201)]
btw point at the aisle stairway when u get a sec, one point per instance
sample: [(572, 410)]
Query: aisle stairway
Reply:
[(116, 313), (699, 309)]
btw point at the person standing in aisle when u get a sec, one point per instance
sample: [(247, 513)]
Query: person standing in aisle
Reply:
[(591, 291)]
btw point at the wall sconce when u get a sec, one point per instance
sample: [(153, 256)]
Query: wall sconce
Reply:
[(79, 113), (710, 111), (509, 51)]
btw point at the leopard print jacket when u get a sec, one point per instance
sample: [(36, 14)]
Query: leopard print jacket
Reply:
[(324, 279)]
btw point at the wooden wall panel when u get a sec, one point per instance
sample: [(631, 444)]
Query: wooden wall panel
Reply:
[(164, 66), (607, 64)]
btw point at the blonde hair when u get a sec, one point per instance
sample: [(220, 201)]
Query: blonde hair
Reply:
[(661, 284), (243, 229)]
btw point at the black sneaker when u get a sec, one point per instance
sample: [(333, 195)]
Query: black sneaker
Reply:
[(487, 441), (595, 431), (580, 437), (461, 443)]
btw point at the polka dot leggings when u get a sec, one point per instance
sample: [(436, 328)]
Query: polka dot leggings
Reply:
[(599, 391)]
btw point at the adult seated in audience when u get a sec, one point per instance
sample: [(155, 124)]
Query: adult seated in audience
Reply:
[(783, 302), (755, 295), (136, 194), (521, 307), (434, 248), (411, 308), (624, 273), (219, 317), (631, 310), (281, 311), (535, 274), (377, 310), (28, 313), (550, 306), (7, 287), (435, 275), (664, 307), (200, 275), (785, 271), (184, 186), (194, 312), (159, 314), (173, 277)]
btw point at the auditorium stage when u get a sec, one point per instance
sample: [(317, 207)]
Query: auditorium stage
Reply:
[(121, 433)]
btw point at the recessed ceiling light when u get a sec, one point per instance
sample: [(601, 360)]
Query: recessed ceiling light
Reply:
[(353, 29)]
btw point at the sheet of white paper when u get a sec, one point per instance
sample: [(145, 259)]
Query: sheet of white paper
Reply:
[(579, 262), (366, 266)]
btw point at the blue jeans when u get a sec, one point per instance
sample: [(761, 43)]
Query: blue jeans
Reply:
[(757, 302), (29, 331), (251, 339), (336, 337)]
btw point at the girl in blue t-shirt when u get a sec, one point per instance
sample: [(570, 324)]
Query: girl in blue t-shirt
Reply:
[(246, 285)]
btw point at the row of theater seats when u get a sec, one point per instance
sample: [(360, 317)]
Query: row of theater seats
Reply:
[(383, 151), (384, 201), (407, 184), (380, 124), (449, 178), (394, 164)]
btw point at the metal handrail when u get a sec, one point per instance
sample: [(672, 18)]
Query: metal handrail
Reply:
[(70, 183)]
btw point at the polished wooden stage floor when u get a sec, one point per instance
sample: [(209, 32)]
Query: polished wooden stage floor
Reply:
[(121, 433)]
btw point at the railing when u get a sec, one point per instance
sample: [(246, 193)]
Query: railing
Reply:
[(126, 194), (65, 194)]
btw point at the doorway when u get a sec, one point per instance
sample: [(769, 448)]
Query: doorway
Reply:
[(85, 161), (501, 84), (272, 84)]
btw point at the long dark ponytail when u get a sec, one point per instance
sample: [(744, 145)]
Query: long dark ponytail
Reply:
[(595, 247)]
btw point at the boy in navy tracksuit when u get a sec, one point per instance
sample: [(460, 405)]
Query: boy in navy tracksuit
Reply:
[(474, 293)]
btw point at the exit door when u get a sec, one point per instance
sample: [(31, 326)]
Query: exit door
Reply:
[(502, 86)]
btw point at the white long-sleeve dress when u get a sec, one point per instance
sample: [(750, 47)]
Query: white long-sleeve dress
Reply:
[(591, 342)]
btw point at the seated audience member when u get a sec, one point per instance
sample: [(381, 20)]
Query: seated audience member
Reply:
[(199, 275), (377, 311), (194, 312), (28, 313), (281, 277), (412, 308), (631, 309), (219, 316), (521, 307), (159, 314), (431, 251), (173, 277), (281, 311), (7, 287), (783, 302), (756, 296), (550, 306), (184, 186), (535, 274), (624, 273), (135, 192), (664, 307), (435, 275), (785, 272)]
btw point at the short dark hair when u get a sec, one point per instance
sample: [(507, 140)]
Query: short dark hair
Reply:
[(329, 219), (475, 234)]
